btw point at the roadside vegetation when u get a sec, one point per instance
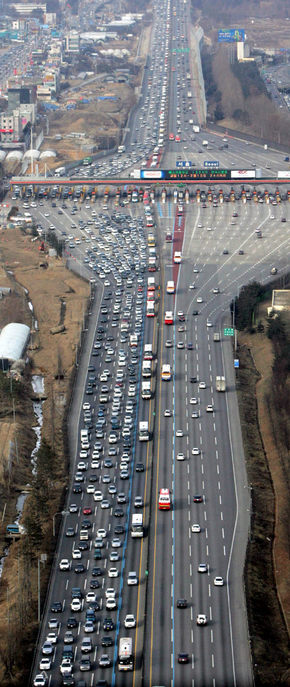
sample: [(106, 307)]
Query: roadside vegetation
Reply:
[(264, 413)]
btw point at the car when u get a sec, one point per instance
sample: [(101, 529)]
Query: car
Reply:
[(111, 604), (201, 619), (241, 252), (167, 412), (94, 584), (66, 666), (132, 578), (192, 286), (40, 680), (193, 380), (104, 661), (189, 346), (45, 663), (87, 510), (180, 344), (118, 512), (183, 657), (193, 400), (70, 532), (202, 568), (139, 467), (202, 385), (218, 581), (107, 641), (76, 605), (108, 624), (76, 554), (197, 498), (114, 556), (181, 603), (71, 623), (47, 648), (64, 564), (180, 456), (56, 607), (195, 313), (52, 637), (85, 664), (168, 343), (138, 502), (129, 620), (90, 596), (101, 532), (53, 624), (79, 568), (195, 527), (195, 451), (113, 572), (68, 637), (116, 543), (209, 408), (225, 251)]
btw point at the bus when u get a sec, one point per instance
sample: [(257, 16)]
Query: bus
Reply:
[(164, 500), (166, 372), (137, 525), (135, 196), (146, 368), (149, 221), (170, 288), (148, 352), (168, 319), (87, 161), (151, 239), (144, 430), (177, 257), (133, 340), (146, 198), (152, 264), (168, 237), (150, 309), (125, 655), (146, 392), (151, 284)]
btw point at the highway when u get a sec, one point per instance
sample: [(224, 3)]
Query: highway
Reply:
[(195, 447)]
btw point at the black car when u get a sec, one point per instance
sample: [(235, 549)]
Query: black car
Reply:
[(94, 584), (102, 683), (181, 603), (94, 605), (139, 467), (108, 624), (56, 607), (96, 571), (71, 623), (183, 658), (195, 312), (83, 545), (119, 529), (79, 568), (118, 512), (77, 489), (107, 641), (68, 680), (193, 380)]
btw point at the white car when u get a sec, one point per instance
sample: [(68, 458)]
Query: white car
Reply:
[(199, 299), (130, 620), (195, 414), (179, 433), (116, 543), (209, 408), (202, 385), (132, 578), (111, 604), (101, 532), (209, 323), (195, 451), (76, 605), (195, 527), (40, 680), (201, 619), (98, 496), (180, 456), (90, 489), (45, 663), (218, 581), (52, 638), (113, 572), (193, 400), (167, 412), (91, 596), (202, 568), (64, 564)]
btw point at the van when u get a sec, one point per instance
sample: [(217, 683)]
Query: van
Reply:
[(84, 435), (68, 652), (84, 535)]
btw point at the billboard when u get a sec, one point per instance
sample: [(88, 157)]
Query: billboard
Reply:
[(284, 175), (243, 174), (231, 35)]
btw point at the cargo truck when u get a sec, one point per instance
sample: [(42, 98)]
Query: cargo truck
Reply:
[(196, 128), (220, 383), (216, 336)]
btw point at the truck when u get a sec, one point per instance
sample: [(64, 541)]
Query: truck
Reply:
[(220, 383), (216, 336), (189, 94), (205, 143), (59, 171), (146, 390), (121, 149), (125, 655), (196, 128), (144, 430)]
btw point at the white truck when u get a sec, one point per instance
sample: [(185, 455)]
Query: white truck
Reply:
[(146, 390), (205, 143), (196, 128), (220, 383), (216, 336)]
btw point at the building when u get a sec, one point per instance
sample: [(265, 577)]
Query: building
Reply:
[(72, 42), (10, 127), (13, 341), (29, 7), (19, 96), (280, 301)]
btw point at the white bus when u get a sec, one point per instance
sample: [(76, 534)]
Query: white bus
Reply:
[(168, 318), (166, 373), (177, 257), (151, 284), (144, 430), (146, 390), (125, 655), (148, 352), (146, 368), (137, 525), (150, 309), (170, 288)]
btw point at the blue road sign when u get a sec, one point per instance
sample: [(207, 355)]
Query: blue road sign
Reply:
[(211, 163), (236, 362), (183, 163)]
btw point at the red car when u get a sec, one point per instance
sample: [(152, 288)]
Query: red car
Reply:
[(183, 658), (87, 510), (197, 499)]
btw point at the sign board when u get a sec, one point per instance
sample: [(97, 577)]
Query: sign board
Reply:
[(183, 163), (228, 331), (284, 175), (231, 35), (236, 363), (243, 174), (211, 163)]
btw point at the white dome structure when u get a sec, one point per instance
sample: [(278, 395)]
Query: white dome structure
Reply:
[(13, 341), (14, 155), (2, 155), (46, 154), (31, 154)]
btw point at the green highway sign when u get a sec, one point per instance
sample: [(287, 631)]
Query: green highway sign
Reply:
[(229, 331)]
